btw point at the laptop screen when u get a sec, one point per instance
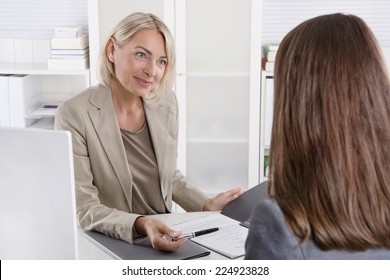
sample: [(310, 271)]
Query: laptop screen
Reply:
[(37, 199)]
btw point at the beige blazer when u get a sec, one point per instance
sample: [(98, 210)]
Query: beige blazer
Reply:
[(102, 175)]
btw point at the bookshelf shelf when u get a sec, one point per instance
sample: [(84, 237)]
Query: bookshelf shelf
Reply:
[(36, 69), (217, 141), (218, 74)]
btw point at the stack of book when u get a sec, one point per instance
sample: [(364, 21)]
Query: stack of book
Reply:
[(69, 49), (269, 54)]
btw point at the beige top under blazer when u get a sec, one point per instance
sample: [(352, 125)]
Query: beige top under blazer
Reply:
[(103, 179)]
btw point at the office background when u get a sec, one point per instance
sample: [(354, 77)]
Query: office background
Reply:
[(219, 77)]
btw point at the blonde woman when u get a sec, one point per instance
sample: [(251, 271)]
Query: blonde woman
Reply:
[(125, 138)]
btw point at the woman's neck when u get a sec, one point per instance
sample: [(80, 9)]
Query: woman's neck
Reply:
[(129, 108)]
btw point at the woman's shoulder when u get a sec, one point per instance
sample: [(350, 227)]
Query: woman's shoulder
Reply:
[(267, 217), (80, 104), (267, 214), (83, 99), (167, 100), (268, 206), (269, 236), (86, 93)]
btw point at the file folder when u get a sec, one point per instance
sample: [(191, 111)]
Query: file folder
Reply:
[(122, 250), (240, 209)]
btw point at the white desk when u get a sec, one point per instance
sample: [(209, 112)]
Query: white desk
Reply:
[(89, 251)]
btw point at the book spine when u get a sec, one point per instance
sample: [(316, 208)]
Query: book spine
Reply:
[(270, 50), (271, 46), (17, 104), (269, 54), (69, 56), (70, 43), (266, 163), (266, 65), (70, 51), (268, 110)]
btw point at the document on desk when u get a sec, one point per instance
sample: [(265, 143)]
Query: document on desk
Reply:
[(229, 240)]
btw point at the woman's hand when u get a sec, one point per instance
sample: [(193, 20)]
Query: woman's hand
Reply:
[(219, 202), (156, 231)]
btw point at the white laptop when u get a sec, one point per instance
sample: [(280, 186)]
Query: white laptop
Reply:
[(37, 196)]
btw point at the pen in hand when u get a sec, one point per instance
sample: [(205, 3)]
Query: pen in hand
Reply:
[(196, 233)]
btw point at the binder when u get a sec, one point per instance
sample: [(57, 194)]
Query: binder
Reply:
[(268, 110), (22, 92), (4, 102), (119, 249), (240, 209)]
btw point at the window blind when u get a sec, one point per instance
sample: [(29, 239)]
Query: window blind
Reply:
[(280, 16), (37, 18)]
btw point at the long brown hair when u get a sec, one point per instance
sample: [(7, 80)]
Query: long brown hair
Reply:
[(330, 146)]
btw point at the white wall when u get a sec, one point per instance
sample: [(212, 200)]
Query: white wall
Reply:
[(24, 50), (27, 26), (280, 16), (38, 18)]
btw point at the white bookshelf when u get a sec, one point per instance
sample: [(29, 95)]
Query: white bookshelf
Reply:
[(25, 33)]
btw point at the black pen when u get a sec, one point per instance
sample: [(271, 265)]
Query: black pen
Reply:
[(196, 233)]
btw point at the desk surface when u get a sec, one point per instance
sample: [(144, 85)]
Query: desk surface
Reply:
[(88, 250)]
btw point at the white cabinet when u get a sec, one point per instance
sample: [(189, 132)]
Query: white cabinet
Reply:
[(216, 97), (31, 85), (217, 86)]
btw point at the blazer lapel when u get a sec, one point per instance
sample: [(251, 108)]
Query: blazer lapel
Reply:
[(106, 126)]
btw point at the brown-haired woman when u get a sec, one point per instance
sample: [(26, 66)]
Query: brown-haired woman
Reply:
[(329, 179)]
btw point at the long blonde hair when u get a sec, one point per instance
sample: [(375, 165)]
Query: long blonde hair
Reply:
[(330, 146)]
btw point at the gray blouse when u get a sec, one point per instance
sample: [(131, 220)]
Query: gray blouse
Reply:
[(146, 193)]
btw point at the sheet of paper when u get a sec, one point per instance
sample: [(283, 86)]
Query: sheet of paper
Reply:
[(229, 240)]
